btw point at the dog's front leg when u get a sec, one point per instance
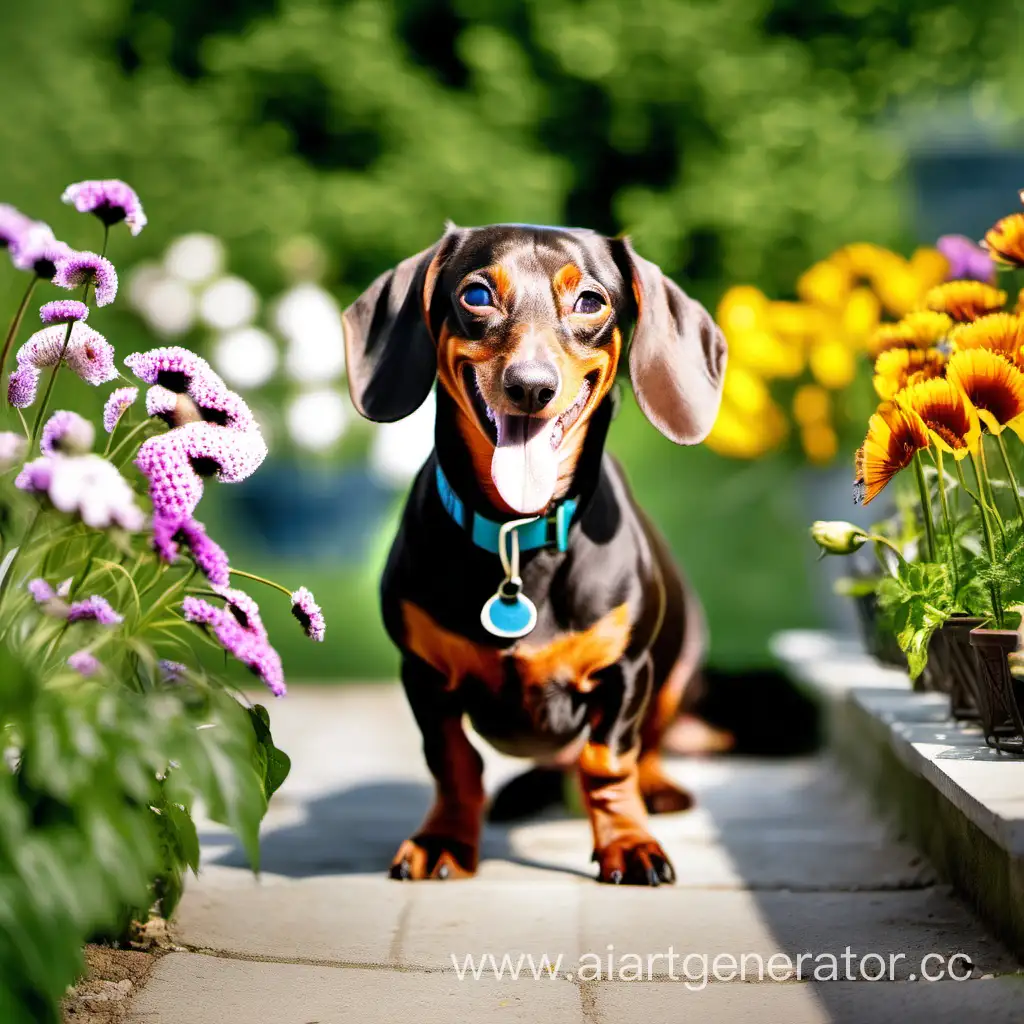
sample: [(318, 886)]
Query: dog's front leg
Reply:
[(447, 843), (626, 853)]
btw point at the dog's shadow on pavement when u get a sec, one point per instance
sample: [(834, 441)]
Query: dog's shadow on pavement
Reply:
[(356, 831)]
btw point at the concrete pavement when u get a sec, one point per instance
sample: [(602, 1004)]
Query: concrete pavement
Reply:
[(779, 859)]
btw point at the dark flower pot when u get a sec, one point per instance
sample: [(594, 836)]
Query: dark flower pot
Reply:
[(998, 693), (879, 642), (960, 665)]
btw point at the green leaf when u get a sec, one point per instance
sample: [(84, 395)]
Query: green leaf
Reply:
[(274, 764)]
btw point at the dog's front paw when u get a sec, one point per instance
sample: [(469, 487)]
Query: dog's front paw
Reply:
[(634, 860), (432, 856)]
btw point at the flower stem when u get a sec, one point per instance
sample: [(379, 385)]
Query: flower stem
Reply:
[(128, 437), (1010, 476), (49, 388), (260, 579), (926, 508), (990, 543), (944, 504), (986, 486), (12, 331), (9, 575)]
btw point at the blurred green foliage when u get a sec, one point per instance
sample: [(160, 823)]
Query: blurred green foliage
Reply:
[(734, 139)]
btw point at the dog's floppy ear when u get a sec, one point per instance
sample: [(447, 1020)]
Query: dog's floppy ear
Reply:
[(677, 355), (390, 355)]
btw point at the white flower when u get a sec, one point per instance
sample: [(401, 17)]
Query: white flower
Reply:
[(12, 448), (246, 357), (87, 485), (309, 319), (228, 303), (317, 419), (195, 258)]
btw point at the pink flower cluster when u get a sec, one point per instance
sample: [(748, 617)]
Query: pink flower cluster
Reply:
[(225, 443), (109, 199), (240, 631), (119, 401), (88, 354), (67, 432)]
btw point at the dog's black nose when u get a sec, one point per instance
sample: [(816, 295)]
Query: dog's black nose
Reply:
[(530, 385)]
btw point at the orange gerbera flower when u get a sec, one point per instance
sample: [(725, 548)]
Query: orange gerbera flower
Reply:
[(997, 332), (895, 435), (951, 420), (1005, 240), (921, 329), (897, 367), (965, 300), (993, 386)]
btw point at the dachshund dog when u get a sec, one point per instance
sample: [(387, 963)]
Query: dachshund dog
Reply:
[(525, 589)]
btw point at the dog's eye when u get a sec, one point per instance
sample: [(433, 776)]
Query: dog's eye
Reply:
[(477, 296), (589, 303)]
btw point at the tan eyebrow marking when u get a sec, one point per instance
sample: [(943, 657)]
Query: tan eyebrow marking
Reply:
[(566, 280)]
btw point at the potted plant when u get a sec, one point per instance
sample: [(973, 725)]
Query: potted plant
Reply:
[(950, 376)]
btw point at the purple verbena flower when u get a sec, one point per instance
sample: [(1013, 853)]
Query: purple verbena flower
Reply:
[(120, 400), (12, 448), (13, 224), (63, 311), (181, 371), (111, 200), (161, 402), (229, 455), (96, 609), (967, 259), (86, 485), (40, 590), (67, 432), (22, 386), (175, 488), (172, 366), (84, 663), (239, 631), (309, 614), (79, 268), (87, 353), (171, 671), (208, 554), (37, 249)]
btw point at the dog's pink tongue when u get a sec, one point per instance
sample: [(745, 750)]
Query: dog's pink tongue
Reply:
[(525, 466)]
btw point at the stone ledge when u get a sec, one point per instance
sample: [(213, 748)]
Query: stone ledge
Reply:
[(959, 800)]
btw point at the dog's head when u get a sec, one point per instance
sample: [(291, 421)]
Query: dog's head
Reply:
[(523, 326)]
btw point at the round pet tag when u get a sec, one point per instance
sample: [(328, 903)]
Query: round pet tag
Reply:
[(509, 613)]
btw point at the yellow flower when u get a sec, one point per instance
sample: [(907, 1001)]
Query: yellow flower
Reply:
[(795, 321), (749, 423), (825, 284), (741, 309), (766, 354), (895, 435), (860, 315), (1005, 240), (929, 267), (997, 332), (896, 367), (922, 329), (965, 300), (832, 363), (951, 420), (819, 443), (992, 385), (812, 404)]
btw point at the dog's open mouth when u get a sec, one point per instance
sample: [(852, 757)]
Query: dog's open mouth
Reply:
[(525, 462)]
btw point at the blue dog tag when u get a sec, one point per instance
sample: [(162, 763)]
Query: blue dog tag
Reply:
[(509, 613)]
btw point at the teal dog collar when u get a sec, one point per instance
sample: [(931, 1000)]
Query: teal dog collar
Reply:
[(546, 531)]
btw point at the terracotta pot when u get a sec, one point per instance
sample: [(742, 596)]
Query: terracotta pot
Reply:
[(996, 691), (961, 666)]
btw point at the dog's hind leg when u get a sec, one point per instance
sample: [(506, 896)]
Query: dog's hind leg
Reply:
[(447, 843)]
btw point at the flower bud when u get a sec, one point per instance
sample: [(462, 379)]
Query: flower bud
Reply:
[(838, 538)]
